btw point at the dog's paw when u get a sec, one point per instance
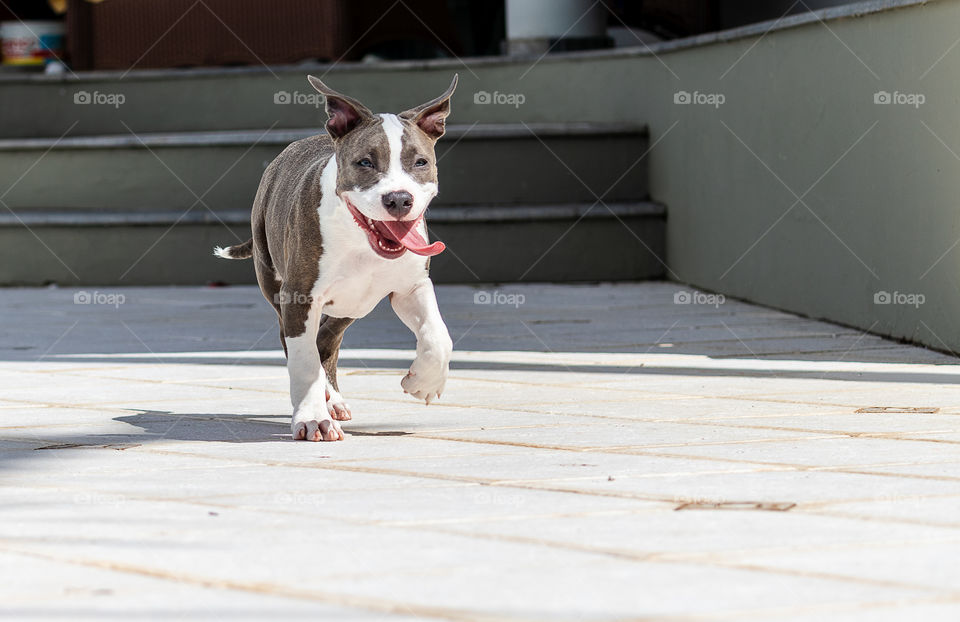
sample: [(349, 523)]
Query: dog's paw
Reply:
[(338, 409), (306, 427), (426, 378)]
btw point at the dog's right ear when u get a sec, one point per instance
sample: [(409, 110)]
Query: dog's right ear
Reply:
[(345, 112)]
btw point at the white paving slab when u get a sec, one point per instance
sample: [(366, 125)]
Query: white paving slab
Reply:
[(600, 453)]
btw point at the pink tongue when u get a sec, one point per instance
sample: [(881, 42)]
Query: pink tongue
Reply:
[(406, 233)]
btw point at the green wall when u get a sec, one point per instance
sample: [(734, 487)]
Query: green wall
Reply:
[(880, 188)]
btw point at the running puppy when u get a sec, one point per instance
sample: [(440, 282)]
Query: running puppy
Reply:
[(337, 225)]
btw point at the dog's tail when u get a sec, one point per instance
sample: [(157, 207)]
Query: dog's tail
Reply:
[(238, 251)]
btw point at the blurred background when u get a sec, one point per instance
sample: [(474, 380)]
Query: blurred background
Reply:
[(117, 34), (801, 154)]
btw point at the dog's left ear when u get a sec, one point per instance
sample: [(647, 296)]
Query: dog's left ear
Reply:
[(432, 116)]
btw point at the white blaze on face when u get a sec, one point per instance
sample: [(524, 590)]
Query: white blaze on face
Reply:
[(422, 193), (395, 179), (393, 128)]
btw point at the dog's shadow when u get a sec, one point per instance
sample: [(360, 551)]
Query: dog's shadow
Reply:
[(156, 426), (210, 427), (217, 427)]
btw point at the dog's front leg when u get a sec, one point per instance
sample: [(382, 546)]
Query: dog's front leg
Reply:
[(308, 383), (418, 310)]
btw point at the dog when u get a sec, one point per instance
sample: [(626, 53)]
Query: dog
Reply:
[(338, 224)]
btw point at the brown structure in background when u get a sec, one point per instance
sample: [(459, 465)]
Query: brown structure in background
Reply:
[(120, 34), (670, 19)]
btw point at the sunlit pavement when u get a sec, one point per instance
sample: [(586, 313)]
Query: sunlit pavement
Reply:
[(600, 452)]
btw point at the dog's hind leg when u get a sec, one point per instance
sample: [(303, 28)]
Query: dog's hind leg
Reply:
[(267, 277), (329, 337), (270, 288)]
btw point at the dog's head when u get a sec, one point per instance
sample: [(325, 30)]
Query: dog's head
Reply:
[(387, 167)]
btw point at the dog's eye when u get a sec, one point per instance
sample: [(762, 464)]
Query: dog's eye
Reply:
[(365, 163), (420, 162)]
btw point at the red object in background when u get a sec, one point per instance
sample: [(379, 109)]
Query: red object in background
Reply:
[(29, 11), (124, 34)]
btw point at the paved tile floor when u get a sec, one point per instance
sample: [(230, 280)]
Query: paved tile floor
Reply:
[(601, 452)]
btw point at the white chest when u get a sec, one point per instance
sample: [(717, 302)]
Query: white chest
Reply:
[(353, 281)]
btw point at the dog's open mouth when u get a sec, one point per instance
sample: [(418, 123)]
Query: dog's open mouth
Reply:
[(390, 238)]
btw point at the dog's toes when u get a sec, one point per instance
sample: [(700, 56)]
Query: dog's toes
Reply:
[(340, 412), (317, 431), (330, 431), (424, 387), (312, 430), (336, 407), (411, 386), (300, 432)]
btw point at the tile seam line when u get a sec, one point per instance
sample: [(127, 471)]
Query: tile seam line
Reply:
[(699, 558), (499, 483), (714, 559), (268, 589), (880, 519), (764, 466), (850, 468), (543, 486), (767, 613), (711, 557)]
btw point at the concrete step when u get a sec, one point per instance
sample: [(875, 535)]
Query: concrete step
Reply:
[(234, 98), (518, 243), (480, 165)]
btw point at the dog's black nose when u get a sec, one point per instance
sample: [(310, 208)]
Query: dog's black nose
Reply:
[(398, 203)]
